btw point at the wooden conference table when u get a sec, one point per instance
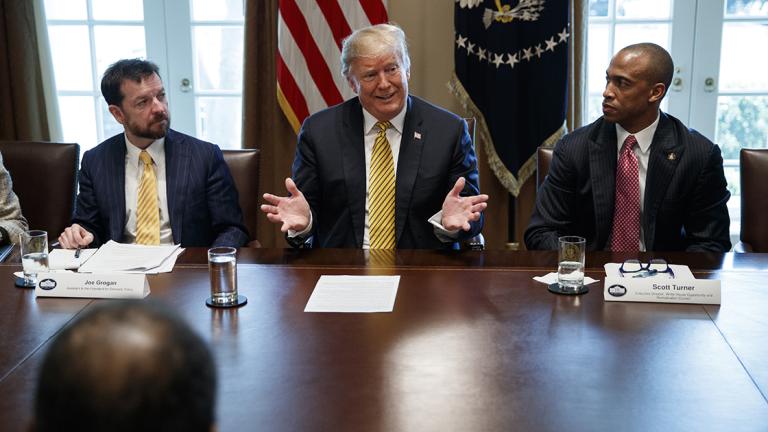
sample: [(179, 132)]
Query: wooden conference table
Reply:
[(473, 344)]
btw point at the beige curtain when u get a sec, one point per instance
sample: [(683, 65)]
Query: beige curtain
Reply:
[(577, 65), (27, 95)]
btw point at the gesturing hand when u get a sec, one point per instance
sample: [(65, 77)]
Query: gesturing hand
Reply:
[(459, 211), (291, 211)]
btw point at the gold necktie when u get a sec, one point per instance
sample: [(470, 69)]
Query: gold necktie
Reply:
[(147, 211), (381, 197)]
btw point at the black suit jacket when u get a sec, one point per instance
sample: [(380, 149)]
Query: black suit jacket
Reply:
[(202, 198), (685, 191), (329, 169)]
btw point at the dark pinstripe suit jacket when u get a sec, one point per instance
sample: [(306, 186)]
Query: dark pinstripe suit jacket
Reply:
[(202, 198), (685, 191), (329, 169)]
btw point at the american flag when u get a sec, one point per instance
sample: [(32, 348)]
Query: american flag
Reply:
[(309, 35)]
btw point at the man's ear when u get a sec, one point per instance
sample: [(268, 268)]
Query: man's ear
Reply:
[(117, 113), (657, 92)]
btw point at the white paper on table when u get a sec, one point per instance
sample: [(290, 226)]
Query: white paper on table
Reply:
[(118, 257), (64, 259), (551, 278), (353, 294)]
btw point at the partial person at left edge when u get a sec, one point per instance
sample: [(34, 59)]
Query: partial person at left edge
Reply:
[(187, 196), (12, 222)]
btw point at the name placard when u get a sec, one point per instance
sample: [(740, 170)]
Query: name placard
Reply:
[(92, 285), (699, 291)]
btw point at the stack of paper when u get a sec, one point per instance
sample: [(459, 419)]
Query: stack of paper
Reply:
[(64, 259), (114, 257)]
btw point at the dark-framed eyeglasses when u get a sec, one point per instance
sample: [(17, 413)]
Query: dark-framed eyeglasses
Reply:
[(637, 269)]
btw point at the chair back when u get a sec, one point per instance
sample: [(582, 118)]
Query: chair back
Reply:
[(244, 167), (754, 205), (543, 159), (44, 178)]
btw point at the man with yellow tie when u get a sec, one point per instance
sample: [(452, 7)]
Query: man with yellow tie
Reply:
[(151, 184), (383, 170)]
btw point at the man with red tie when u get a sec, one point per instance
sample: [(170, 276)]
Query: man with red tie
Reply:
[(636, 179)]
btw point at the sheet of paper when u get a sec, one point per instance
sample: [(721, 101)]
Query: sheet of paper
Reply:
[(353, 294), (165, 267), (117, 257), (551, 278), (64, 259)]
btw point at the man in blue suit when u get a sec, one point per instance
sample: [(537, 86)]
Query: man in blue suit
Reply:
[(433, 200), (636, 179), (192, 200)]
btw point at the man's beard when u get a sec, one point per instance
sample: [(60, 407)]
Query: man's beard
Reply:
[(150, 133)]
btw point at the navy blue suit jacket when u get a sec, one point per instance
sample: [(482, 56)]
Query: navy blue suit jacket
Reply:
[(202, 198), (685, 191), (329, 169)]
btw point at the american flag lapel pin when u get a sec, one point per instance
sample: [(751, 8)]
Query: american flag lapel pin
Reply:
[(417, 135)]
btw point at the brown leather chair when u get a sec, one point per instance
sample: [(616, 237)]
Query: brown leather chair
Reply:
[(543, 159), (244, 166), (754, 205), (44, 178)]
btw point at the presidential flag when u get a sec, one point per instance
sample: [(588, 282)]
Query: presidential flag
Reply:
[(511, 73), (309, 34)]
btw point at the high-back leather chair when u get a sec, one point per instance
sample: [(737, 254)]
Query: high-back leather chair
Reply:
[(754, 205), (244, 167), (44, 178), (543, 159)]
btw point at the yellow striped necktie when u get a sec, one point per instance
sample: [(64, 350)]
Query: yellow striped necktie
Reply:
[(147, 210), (381, 192)]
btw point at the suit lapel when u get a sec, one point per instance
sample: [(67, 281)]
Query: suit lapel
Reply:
[(116, 194), (412, 142), (666, 152), (352, 144), (602, 163), (176, 167)]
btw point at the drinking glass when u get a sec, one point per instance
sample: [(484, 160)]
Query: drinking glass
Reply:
[(570, 265), (222, 268), (34, 255)]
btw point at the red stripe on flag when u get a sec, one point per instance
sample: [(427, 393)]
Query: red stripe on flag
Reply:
[(291, 90), (318, 69), (336, 20), (375, 11)]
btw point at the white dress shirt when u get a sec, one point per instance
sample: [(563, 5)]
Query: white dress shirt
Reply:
[(642, 152), (134, 168)]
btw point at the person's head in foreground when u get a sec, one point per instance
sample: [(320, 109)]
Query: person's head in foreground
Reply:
[(126, 366)]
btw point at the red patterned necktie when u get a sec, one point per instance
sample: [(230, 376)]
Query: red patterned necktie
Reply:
[(626, 213)]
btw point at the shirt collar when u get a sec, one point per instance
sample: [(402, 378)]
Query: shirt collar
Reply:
[(156, 150), (644, 137), (369, 121)]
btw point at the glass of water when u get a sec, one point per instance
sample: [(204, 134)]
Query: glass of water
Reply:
[(34, 255), (570, 265), (222, 268)]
